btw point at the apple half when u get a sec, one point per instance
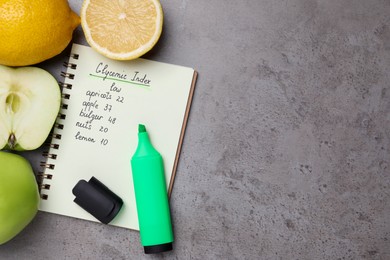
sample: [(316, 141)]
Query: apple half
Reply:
[(30, 100)]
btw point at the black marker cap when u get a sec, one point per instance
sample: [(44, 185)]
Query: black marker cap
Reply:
[(97, 199)]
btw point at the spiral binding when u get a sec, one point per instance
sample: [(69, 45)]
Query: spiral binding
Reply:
[(61, 116), (46, 175), (49, 155), (65, 85)]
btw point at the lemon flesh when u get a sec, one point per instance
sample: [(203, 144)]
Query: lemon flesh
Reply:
[(122, 29), (34, 31)]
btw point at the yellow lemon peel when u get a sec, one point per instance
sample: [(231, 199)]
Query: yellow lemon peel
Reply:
[(34, 31)]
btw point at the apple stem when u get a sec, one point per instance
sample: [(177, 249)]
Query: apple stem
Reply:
[(12, 141)]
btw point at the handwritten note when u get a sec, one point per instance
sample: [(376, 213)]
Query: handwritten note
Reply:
[(96, 116)]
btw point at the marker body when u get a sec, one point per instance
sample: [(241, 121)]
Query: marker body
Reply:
[(151, 196)]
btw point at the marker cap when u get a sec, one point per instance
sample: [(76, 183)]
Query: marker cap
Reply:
[(97, 199)]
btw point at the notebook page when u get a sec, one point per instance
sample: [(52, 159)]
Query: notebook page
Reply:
[(107, 101)]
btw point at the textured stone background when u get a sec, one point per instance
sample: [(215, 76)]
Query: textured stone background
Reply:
[(286, 154)]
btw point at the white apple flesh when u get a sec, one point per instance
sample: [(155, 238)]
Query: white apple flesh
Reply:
[(30, 100)]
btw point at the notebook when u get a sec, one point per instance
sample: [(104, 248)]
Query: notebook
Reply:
[(103, 101)]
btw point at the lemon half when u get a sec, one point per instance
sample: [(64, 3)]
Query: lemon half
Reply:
[(122, 29)]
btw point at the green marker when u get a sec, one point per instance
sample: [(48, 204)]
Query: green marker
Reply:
[(151, 196)]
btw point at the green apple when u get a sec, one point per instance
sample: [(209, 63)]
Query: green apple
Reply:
[(30, 99), (19, 195)]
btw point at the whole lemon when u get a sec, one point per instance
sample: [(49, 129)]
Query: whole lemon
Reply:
[(34, 31)]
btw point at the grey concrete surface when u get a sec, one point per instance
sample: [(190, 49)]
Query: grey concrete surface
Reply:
[(286, 154)]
